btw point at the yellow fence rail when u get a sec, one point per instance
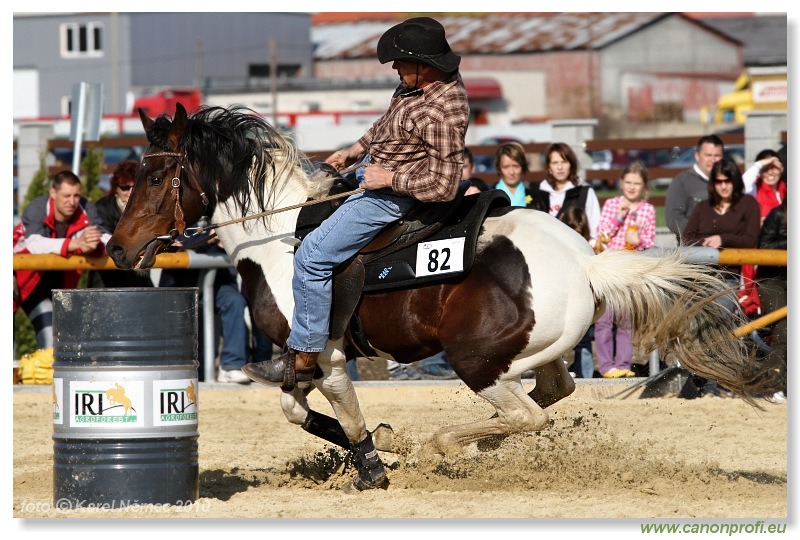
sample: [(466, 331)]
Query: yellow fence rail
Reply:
[(210, 263)]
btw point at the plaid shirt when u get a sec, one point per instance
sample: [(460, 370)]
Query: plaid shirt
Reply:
[(421, 139), (645, 219)]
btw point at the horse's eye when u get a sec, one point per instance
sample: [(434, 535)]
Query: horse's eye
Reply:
[(155, 181)]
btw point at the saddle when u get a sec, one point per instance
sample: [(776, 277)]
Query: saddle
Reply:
[(434, 242)]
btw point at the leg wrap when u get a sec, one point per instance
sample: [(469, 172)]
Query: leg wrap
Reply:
[(326, 428), (371, 473)]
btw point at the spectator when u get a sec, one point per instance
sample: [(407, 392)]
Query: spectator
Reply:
[(726, 219), (468, 167), (763, 181), (63, 223), (512, 164), (690, 187), (629, 221), (563, 189), (402, 372), (436, 367), (110, 209), (583, 363), (773, 286), (476, 185), (229, 306)]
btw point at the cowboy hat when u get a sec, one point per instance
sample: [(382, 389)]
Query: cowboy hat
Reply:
[(420, 40)]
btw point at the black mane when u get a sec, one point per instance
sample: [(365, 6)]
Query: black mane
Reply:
[(223, 147)]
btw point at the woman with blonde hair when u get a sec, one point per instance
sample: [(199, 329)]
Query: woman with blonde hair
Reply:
[(512, 163), (629, 223)]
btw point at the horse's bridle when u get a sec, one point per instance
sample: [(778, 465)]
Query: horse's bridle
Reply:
[(180, 224)]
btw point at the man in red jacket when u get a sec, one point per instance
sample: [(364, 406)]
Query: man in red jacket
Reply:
[(63, 223)]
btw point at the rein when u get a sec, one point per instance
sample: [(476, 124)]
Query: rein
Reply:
[(278, 210), (294, 206), (180, 224)]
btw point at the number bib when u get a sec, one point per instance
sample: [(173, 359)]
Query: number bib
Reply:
[(440, 257)]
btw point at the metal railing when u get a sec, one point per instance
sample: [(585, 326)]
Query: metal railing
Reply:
[(209, 264)]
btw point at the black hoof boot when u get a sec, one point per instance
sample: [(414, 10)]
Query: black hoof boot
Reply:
[(371, 474)]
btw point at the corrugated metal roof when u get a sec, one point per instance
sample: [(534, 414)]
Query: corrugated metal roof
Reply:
[(489, 33), (764, 37)]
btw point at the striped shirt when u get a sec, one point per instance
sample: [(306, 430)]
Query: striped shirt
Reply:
[(645, 219), (421, 139)]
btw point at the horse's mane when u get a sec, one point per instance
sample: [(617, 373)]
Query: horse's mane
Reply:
[(234, 152)]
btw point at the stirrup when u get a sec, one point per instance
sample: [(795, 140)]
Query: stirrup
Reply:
[(274, 372)]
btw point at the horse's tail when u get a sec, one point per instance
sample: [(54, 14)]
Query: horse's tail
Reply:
[(674, 306)]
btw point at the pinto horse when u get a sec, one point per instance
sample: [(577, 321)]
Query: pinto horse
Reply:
[(532, 292)]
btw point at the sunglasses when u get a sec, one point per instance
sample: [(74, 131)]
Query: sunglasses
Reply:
[(126, 187), (724, 181)]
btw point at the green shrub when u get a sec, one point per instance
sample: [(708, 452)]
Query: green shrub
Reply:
[(24, 337)]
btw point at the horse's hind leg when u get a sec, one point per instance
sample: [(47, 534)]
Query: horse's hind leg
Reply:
[(553, 383), (516, 413)]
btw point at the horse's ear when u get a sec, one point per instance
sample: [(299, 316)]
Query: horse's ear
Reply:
[(178, 127), (146, 120)]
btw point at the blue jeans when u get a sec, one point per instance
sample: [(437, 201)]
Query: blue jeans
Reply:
[(351, 227), (583, 365), (438, 359), (230, 306), (262, 345)]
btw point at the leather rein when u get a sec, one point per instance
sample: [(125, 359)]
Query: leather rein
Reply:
[(180, 224)]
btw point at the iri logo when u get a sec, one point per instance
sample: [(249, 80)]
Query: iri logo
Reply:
[(384, 272), (58, 385), (100, 403), (175, 402)]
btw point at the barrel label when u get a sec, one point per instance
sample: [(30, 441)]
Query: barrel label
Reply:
[(58, 401), (111, 404), (175, 402)]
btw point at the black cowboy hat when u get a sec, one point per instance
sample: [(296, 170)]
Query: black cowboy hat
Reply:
[(419, 40)]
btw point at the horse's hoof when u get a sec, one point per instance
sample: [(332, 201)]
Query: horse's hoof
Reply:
[(383, 438), (357, 486)]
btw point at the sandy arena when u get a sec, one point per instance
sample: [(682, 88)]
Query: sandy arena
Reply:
[(601, 457)]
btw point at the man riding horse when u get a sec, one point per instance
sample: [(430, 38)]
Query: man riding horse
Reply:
[(415, 153)]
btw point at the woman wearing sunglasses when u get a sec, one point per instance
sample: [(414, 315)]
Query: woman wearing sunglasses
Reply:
[(728, 219), (110, 208)]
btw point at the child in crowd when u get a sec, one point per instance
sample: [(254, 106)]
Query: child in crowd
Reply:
[(629, 222), (583, 364)]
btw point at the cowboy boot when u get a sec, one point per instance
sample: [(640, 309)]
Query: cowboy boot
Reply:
[(288, 369)]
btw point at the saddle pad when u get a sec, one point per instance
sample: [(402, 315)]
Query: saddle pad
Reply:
[(446, 254)]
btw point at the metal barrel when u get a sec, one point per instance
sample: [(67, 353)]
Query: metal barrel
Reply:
[(125, 396)]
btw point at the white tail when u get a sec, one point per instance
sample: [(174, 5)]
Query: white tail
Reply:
[(673, 305)]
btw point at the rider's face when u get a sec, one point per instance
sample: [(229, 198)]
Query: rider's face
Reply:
[(409, 73)]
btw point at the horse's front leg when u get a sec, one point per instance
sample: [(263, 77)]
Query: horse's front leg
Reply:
[(337, 387), (295, 407)]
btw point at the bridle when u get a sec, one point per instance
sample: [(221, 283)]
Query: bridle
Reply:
[(180, 224)]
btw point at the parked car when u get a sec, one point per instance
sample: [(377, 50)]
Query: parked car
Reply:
[(620, 158), (685, 160)]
